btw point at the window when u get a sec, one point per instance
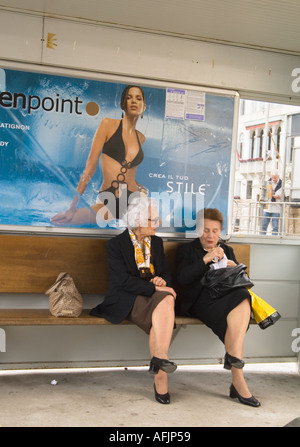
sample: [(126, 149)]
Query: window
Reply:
[(271, 138), (270, 143), (252, 145), (278, 142), (249, 190), (292, 148), (241, 147), (261, 144)]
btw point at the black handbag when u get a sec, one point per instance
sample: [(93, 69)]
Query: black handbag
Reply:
[(222, 281)]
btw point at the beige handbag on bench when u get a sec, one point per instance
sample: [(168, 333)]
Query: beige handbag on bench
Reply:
[(64, 298)]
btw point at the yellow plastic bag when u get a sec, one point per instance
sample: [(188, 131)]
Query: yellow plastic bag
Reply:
[(264, 314)]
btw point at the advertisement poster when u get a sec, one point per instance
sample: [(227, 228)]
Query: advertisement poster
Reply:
[(47, 127)]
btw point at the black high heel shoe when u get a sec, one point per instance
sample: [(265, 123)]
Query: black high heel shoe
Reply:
[(244, 400), (165, 365), (230, 361), (162, 398)]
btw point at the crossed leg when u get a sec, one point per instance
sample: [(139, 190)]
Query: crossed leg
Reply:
[(160, 336), (237, 325)]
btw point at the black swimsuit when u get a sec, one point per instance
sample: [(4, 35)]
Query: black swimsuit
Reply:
[(115, 149)]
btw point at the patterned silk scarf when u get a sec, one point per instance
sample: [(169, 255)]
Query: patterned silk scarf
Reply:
[(143, 260)]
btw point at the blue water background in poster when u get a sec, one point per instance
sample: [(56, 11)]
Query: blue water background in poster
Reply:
[(46, 134)]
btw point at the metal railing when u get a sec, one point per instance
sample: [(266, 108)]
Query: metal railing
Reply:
[(248, 218)]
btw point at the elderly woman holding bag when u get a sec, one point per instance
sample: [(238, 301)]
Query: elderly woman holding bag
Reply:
[(139, 288), (227, 316)]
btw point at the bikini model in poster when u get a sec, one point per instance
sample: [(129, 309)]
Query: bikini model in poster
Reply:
[(121, 147)]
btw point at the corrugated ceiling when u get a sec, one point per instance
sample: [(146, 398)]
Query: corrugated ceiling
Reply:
[(267, 24)]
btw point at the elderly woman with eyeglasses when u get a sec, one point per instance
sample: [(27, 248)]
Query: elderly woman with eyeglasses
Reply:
[(139, 287)]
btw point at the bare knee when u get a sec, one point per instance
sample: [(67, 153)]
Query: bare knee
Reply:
[(241, 311), (245, 305), (169, 301), (166, 305)]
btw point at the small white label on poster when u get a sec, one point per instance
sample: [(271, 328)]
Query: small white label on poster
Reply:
[(185, 104)]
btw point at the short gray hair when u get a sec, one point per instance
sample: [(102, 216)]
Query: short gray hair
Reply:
[(137, 213), (275, 172)]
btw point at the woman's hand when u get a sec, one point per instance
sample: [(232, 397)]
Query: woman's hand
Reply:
[(231, 263), (63, 217), (66, 216), (216, 252), (158, 281)]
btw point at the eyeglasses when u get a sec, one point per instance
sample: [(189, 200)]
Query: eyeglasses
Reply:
[(155, 221)]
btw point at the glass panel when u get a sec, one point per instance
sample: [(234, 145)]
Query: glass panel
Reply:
[(267, 174)]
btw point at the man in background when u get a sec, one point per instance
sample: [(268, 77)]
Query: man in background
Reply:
[(272, 210)]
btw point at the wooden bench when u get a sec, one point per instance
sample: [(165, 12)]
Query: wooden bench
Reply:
[(29, 264)]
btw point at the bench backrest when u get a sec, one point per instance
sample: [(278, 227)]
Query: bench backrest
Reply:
[(31, 263)]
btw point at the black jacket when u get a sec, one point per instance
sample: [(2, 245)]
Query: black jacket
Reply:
[(190, 269), (124, 282)]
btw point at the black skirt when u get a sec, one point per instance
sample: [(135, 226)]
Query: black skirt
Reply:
[(213, 312)]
